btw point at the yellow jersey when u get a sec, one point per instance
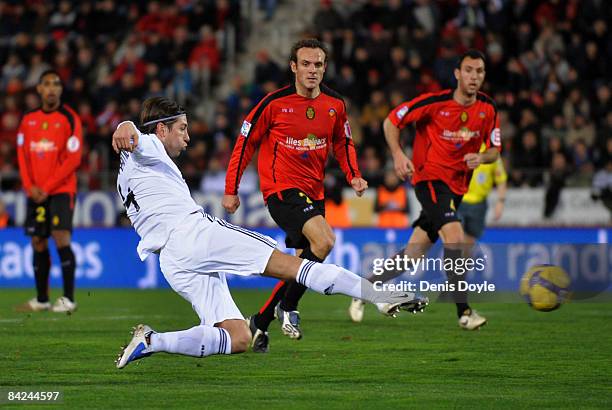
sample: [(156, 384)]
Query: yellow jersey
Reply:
[(482, 181)]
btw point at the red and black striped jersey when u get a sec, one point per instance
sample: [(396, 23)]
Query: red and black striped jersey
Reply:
[(295, 135), (49, 146), (445, 132)]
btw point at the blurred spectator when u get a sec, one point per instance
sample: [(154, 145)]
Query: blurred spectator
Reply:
[(337, 211), (12, 69), (326, 17), (205, 55), (470, 14), (527, 162), (376, 110), (392, 202), (6, 220), (602, 185), (583, 162), (9, 119), (181, 85), (36, 68), (581, 129), (371, 164), (266, 69), (558, 176), (63, 19), (133, 65), (603, 105)]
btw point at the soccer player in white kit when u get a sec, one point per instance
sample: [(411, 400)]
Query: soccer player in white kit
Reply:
[(196, 250)]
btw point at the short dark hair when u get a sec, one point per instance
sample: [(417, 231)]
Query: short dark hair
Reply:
[(471, 53), (307, 43), (46, 73), (155, 108)]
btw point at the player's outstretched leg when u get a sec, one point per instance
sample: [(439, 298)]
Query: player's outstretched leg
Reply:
[(331, 279), (199, 341)]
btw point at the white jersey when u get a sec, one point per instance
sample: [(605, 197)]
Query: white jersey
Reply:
[(153, 192)]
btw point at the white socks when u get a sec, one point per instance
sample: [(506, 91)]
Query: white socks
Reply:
[(199, 341), (331, 279)]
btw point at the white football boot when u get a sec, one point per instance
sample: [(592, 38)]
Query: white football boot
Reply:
[(290, 322), (356, 310), (64, 305), (473, 321), (415, 304), (33, 305), (138, 347)]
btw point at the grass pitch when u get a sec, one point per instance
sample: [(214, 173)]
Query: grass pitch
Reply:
[(521, 359)]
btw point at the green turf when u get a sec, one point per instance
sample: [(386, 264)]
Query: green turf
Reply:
[(522, 359)]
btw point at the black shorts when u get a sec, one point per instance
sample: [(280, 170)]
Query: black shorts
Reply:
[(439, 205), (52, 215), (290, 209)]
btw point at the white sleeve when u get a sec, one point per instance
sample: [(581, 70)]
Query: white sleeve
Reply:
[(148, 150)]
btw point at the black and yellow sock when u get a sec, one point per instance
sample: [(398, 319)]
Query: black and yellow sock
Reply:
[(459, 297), (68, 262), (42, 265)]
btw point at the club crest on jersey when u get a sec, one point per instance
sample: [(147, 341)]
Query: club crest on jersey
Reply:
[(246, 127), (481, 114), (464, 116), (310, 112), (332, 112), (45, 125)]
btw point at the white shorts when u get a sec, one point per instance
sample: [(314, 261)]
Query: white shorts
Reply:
[(198, 254)]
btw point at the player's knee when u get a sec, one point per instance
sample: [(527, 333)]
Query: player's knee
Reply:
[(61, 238), (452, 234), (323, 247), (39, 244), (241, 338)]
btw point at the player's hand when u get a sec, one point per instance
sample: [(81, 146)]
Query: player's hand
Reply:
[(359, 185), (125, 138), (37, 195), (499, 210), (230, 203), (404, 168), (472, 160)]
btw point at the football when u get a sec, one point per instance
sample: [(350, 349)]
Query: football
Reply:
[(545, 287)]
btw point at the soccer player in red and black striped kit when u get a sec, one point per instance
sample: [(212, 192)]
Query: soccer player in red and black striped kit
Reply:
[(451, 126), (295, 128), (49, 144)]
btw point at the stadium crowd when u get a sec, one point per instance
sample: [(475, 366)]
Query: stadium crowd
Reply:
[(548, 69)]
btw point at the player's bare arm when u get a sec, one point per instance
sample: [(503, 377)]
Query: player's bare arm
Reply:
[(231, 203), (403, 166), (474, 159), (359, 185), (125, 138)]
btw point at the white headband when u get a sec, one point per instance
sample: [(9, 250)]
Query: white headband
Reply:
[(163, 119)]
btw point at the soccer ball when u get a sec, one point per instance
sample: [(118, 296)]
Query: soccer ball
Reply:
[(545, 287)]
